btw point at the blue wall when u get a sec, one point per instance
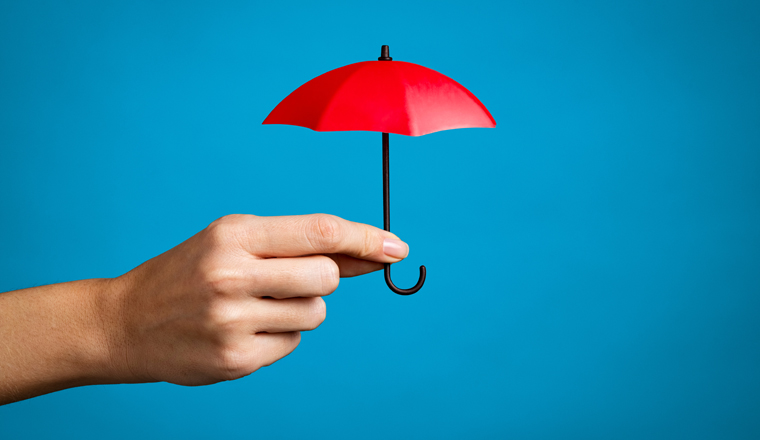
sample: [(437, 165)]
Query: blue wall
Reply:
[(594, 261)]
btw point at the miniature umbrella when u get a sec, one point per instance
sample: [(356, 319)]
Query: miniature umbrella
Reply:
[(386, 96)]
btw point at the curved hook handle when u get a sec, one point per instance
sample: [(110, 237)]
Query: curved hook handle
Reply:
[(418, 286)]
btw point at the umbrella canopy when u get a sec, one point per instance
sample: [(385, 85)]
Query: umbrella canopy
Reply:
[(389, 97), (386, 96)]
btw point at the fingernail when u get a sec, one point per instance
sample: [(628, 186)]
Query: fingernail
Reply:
[(395, 248)]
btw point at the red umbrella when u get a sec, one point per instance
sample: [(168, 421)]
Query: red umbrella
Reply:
[(386, 96)]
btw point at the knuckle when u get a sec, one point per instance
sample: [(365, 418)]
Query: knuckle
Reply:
[(225, 221), (219, 279), (234, 362), (225, 228), (325, 232), (371, 243), (290, 344), (316, 314), (223, 320), (286, 343), (329, 274)]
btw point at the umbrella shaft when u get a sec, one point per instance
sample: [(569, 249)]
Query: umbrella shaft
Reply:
[(387, 222), (386, 184)]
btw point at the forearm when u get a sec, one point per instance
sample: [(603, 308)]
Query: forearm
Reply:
[(53, 337)]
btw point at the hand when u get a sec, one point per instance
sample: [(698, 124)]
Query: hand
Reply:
[(233, 298)]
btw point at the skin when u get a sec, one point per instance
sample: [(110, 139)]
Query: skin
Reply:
[(229, 300)]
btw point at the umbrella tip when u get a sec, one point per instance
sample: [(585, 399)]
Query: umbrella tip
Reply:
[(385, 54)]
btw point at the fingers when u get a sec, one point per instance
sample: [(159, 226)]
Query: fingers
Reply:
[(319, 234), (287, 315), (315, 275), (271, 347)]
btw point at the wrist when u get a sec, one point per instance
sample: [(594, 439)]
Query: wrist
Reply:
[(92, 341), (106, 353)]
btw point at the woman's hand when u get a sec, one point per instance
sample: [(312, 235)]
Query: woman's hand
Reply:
[(234, 297), (226, 302)]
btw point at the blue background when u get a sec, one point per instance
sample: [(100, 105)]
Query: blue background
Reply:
[(594, 261)]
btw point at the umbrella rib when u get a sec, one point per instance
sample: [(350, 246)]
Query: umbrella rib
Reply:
[(328, 106)]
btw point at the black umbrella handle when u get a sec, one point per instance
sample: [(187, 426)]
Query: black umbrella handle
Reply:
[(387, 221)]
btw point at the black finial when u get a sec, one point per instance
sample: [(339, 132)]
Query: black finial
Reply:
[(385, 54)]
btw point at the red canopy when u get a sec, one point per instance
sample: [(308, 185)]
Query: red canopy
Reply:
[(385, 96)]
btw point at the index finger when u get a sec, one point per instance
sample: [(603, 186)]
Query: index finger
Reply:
[(293, 236)]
